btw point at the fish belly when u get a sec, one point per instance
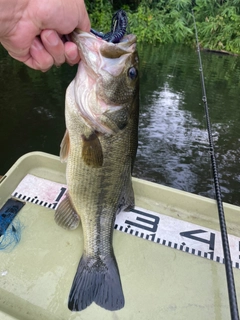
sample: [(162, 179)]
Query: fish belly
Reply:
[(97, 194)]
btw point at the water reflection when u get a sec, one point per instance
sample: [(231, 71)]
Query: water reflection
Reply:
[(173, 146), (169, 138), (173, 141)]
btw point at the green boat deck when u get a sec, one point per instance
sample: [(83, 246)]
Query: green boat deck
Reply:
[(159, 282)]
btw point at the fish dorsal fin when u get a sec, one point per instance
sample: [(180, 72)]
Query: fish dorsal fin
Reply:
[(65, 146), (92, 153), (65, 215)]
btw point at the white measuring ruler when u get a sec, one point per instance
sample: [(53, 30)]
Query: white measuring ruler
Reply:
[(149, 225)]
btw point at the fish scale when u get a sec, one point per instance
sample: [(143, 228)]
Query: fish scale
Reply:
[(99, 145)]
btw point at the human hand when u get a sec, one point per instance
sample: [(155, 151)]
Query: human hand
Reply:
[(31, 30)]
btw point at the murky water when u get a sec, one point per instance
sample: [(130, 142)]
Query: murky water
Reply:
[(173, 140)]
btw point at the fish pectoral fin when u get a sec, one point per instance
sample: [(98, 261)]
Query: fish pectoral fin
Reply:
[(115, 120), (92, 153), (96, 280), (65, 215), (64, 147)]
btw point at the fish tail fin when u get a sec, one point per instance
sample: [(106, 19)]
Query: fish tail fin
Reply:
[(96, 280)]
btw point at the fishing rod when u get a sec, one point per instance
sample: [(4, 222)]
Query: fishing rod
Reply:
[(225, 244)]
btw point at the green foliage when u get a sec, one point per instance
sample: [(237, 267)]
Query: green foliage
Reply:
[(220, 30), (100, 13), (169, 21), (161, 22)]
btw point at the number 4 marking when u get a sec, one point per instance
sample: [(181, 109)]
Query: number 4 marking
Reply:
[(189, 234)]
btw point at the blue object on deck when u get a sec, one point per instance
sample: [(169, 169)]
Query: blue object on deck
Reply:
[(10, 235)]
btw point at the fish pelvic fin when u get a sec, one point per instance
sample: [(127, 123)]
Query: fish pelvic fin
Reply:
[(65, 215), (64, 147), (96, 280)]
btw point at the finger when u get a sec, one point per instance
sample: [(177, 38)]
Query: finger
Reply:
[(53, 45), (84, 22), (39, 58), (71, 53)]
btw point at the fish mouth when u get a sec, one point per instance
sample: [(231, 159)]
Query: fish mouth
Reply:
[(99, 54)]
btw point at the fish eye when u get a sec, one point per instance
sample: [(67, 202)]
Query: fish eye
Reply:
[(132, 73)]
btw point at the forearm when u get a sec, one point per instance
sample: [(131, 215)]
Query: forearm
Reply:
[(11, 12)]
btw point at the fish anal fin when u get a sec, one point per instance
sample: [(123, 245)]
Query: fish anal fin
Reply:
[(65, 146), (97, 280), (65, 215), (92, 153)]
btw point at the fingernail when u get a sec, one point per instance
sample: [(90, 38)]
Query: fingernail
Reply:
[(72, 55), (52, 38), (37, 44)]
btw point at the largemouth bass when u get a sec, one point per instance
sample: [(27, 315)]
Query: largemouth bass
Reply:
[(99, 146)]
